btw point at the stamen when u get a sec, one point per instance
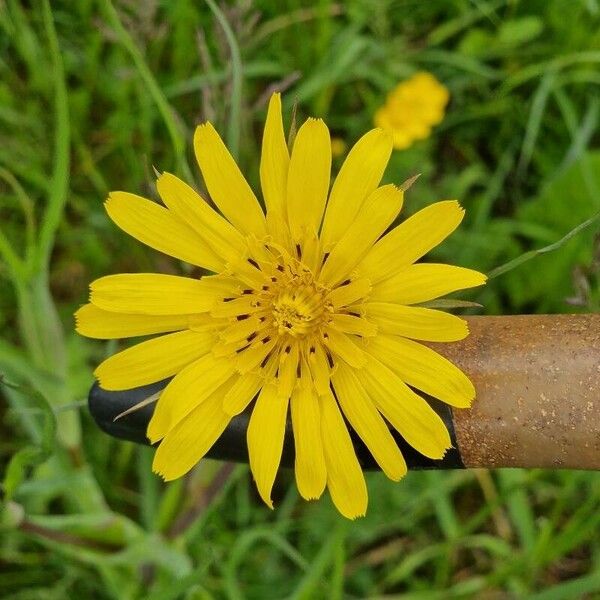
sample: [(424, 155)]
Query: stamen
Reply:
[(284, 311)]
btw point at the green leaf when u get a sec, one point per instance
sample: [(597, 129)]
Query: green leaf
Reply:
[(35, 454), (520, 31)]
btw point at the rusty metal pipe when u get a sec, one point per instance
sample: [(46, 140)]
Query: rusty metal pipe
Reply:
[(538, 399), (538, 391)]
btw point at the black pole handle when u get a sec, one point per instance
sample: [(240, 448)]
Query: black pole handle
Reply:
[(231, 446)]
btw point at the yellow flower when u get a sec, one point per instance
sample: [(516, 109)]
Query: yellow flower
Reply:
[(311, 311), (412, 108), (338, 147)]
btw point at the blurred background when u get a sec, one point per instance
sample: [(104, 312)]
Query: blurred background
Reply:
[(94, 95)]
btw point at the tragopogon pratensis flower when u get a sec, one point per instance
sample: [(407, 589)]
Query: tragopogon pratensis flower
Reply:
[(412, 108), (311, 312)]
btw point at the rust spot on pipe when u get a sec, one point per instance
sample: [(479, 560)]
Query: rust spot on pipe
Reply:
[(538, 391)]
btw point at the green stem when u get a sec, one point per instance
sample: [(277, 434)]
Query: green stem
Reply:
[(516, 262), (10, 257), (28, 209), (60, 172), (237, 80)]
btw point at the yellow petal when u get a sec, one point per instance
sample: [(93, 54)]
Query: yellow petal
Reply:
[(277, 225), (411, 239), (158, 294), (424, 369), (203, 322), (342, 346), (359, 176), (349, 292), (375, 216), (310, 251), (225, 241), (191, 439), (233, 307), (311, 473), (240, 394), (100, 324), (345, 478), (158, 228), (367, 422), (416, 322), (274, 159), (407, 412), (152, 360), (353, 324), (425, 281), (255, 355), (308, 177), (265, 435), (288, 368), (241, 330), (319, 369), (192, 386), (225, 183), (228, 350), (243, 269)]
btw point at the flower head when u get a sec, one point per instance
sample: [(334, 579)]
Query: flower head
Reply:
[(412, 108), (338, 147), (312, 312)]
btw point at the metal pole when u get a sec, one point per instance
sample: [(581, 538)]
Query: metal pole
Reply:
[(538, 391), (538, 399)]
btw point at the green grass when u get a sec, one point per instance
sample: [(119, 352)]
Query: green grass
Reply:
[(93, 95)]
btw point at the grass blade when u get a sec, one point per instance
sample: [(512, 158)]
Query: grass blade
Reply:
[(237, 79), (516, 262), (165, 109), (60, 172)]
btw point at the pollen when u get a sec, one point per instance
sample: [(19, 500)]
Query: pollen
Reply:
[(299, 311), (298, 304)]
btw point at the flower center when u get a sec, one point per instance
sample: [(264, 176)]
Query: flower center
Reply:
[(298, 310)]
